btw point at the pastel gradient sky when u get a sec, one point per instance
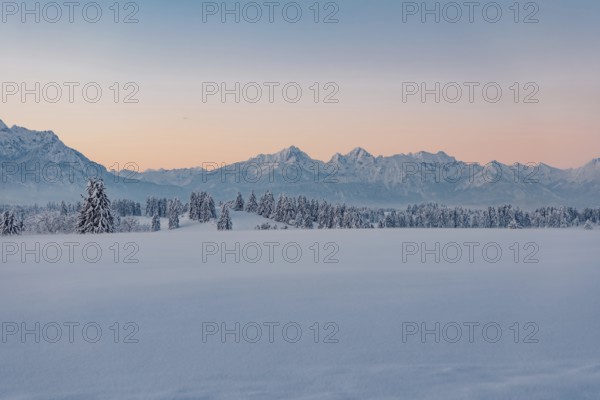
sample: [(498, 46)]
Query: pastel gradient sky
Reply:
[(369, 54)]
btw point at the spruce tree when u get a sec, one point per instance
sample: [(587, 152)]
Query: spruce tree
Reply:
[(279, 213), (308, 222), (207, 209), (9, 225), (63, 209), (225, 223), (173, 211), (299, 219), (96, 215), (151, 208), (155, 223), (252, 205), (267, 205), (289, 210), (514, 225), (239, 203), (262, 205), (211, 205), (194, 206), (163, 206)]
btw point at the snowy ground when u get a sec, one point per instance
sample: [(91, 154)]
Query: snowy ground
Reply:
[(180, 291)]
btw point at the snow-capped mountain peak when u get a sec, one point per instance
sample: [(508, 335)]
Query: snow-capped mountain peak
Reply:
[(292, 154), (426, 157), (357, 177), (358, 153), (21, 144), (589, 173), (289, 155)]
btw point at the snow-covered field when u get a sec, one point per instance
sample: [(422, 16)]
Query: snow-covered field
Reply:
[(359, 298)]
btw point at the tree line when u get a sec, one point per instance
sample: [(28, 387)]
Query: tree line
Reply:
[(97, 214)]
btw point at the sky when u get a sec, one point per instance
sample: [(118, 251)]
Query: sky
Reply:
[(362, 69)]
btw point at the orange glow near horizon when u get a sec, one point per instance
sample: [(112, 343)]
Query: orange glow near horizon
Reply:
[(369, 55), (186, 138)]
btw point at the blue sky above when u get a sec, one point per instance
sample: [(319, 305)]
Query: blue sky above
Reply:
[(370, 52)]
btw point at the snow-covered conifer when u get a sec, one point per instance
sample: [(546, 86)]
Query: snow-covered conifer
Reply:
[(173, 210), (96, 215), (252, 205), (63, 209), (279, 213), (266, 207), (9, 225), (207, 208), (514, 225), (308, 222), (588, 225), (211, 206), (225, 223), (194, 211), (155, 223), (239, 203)]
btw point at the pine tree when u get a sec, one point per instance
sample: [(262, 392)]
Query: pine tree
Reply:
[(323, 218), (155, 223), (239, 203), (514, 225), (174, 210), (252, 205), (588, 225), (225, 223), (207, 209), (314, 210), (338, 216), (200, 200), (289, 210), (194, 206), (96, 215), (211, 206), (308, 222), (9, 225), (163, 206), (266, 207), (299, 219), (279, 213), (151, 208), (63, 209), (262, 205), (269, 205)]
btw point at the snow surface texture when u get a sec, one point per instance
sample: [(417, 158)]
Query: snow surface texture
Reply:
[(171, 292)]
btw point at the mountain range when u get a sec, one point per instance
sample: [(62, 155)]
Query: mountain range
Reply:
[(37, 167)]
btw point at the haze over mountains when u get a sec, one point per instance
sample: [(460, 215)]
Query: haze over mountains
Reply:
[(38, 167)]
